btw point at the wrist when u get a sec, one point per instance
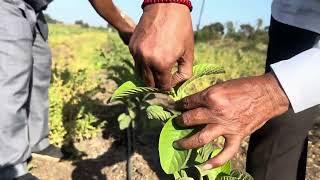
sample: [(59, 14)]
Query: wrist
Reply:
[(124, 28), (186, 3), (125, 24), (279, 101)]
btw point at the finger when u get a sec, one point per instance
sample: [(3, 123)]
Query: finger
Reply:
[(194, 117), (184, 72), (185, 63), (231, 147), (137, 69), (140, 67), (163, 79), (201, 138), (147, 76), (191, 102)]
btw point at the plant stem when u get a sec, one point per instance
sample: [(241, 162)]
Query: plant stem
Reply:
[(129, 152)]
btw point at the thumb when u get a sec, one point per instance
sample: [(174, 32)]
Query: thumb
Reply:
[(184, 71)]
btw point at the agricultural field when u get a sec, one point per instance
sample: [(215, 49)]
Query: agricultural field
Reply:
[(87, 67)]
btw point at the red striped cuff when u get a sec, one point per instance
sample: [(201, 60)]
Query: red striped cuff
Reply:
[(184, 2)]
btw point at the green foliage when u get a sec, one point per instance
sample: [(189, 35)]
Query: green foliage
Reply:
[(177, 162), (225, 169), (69, 118), (183, 164), (155, 112), (73, 84), (134, 96), (82, 24), (86, 127), (125, 119), (171, 159), (51, 20), (236, 175), (76, 48), (251, 36), (212, 31), (199, 71), (236, 60), (130, 90)]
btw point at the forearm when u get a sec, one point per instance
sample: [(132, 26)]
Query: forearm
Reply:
[(108, 11), (300, 79)]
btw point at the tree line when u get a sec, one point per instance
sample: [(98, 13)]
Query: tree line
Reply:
[(214, 31)]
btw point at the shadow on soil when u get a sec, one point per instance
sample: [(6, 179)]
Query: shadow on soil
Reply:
[(144, 143)]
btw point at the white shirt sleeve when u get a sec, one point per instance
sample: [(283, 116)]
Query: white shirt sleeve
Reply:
[(300, 79)]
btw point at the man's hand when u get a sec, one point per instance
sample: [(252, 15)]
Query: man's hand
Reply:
[(124, 24), (163, 38), (127, 30), (234, 110)]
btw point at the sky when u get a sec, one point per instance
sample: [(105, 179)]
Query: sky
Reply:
[(238, 11)]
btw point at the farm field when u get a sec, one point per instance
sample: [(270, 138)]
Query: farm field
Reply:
[(88, 65)]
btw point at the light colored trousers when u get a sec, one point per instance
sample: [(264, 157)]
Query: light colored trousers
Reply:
[(25, 61)]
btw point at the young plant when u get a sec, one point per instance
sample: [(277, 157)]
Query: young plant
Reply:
[(182, 164), (135, 99)]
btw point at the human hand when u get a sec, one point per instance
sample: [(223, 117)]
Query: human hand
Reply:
[(234, 110), (120, 21), (163, 38), (127, 30)]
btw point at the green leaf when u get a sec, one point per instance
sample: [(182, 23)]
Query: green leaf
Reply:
[(224, 169), (185, 178), (156, 112), (129, 90), (204, 153), (199, 71), (237, 175), (124, 121), (123, 88), (241, 175), (171, 159), (182, 175), (226, 178), (206, 69)]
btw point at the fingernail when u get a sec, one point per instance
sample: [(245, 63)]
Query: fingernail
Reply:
[(176, 145), (207, 167)]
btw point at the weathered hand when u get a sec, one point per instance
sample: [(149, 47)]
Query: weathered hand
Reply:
[(234, 110), (163, 38)]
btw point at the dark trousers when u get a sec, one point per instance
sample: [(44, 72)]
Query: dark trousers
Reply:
[(278, 151)]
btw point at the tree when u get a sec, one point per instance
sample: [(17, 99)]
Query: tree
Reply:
[(230, 28), (259, 24), (210, 32), (246, 30), (51, 20), (81, 23), (216, 27)]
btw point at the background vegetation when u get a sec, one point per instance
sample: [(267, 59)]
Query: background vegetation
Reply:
[(89, 63)]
